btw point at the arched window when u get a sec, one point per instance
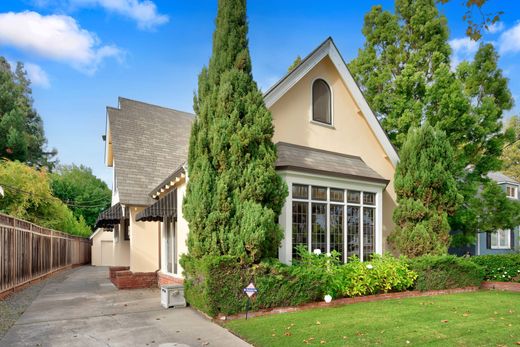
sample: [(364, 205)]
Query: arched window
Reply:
[(321, 102)]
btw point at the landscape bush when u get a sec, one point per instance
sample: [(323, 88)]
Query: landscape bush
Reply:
[(499, 267), (445, 272)]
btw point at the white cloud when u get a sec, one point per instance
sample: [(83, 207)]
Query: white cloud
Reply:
[(496, 28), (37, 75), (463, 49), (55, 37), (509, 41), (143, 12)]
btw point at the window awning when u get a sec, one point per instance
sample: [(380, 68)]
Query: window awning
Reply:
[(162, 208), (110, 217)]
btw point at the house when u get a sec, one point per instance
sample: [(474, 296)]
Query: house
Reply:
[(332, 152), (502, 241), (143, 144)]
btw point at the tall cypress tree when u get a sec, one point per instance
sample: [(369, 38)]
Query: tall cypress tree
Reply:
[(234, 194)]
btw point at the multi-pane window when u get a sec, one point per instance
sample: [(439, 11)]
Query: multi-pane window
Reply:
[(334, 219), (170, 245), (321, 102), (511, 192), (501, 239)]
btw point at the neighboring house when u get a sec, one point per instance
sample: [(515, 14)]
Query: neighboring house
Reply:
[(143, 144), (501, 241), (102, 247), (332, 152)]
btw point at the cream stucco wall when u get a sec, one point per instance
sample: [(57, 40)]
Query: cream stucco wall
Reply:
[(121, 248), (350, 133), (144, 244)]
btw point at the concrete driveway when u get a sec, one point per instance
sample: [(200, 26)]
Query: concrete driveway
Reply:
[(83, 308)]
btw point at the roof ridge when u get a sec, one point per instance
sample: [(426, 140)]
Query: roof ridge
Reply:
[(152, 105)]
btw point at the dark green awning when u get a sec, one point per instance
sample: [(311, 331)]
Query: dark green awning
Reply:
[(110, 217), (163, 208)]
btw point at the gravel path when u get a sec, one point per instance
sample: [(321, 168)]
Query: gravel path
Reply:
[(12, 307)]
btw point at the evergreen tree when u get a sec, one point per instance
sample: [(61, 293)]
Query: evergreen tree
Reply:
[(426, 193), (404, 70), (21, 128), (295, 63), (234, 194)]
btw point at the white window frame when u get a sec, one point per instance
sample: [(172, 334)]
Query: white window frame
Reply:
[(293, 177), (515, 191), (311, 104), (496, 237)]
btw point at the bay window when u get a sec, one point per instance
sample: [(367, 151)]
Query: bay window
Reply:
[(329, 218)]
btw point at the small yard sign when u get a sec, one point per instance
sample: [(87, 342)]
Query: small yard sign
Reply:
[(250, 290)]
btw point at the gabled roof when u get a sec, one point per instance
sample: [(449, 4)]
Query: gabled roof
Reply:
[(312, 160), (148, 143), (329, 49), (499, 177)]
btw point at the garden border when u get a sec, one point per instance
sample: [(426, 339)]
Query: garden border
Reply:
[(506, 286), (346, 301)]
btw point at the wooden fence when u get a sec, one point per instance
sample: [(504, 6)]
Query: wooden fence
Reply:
[(29, 252)]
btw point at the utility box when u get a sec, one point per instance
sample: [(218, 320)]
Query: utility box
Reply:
[(172, 296)]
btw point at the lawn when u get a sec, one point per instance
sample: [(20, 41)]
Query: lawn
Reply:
[(483, 318)]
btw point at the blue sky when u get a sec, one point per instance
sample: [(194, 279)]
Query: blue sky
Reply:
[(83, 54)]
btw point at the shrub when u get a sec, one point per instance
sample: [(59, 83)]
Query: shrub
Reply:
[(214, 284), (444, 272), (499, 267), (381, 275)]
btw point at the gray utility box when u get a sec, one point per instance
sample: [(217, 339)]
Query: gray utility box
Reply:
[(172, 296)]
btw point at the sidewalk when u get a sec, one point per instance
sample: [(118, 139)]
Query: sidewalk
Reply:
[(83, 308)]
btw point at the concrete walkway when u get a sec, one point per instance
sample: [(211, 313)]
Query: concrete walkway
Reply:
[(84, 308)]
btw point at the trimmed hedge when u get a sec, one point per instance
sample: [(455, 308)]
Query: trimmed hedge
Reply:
[(499, 267), (445, 272), (215, 285)]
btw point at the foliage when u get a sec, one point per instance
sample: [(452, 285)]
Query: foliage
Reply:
[(499, 267), (443, 320), (28, 196), (475, 28), (511, 152), (381, 275), (214, 284), (405, 73), (426, 194), (234, 194), (295, 63), (21, 128), (445, 272), (86, 194)]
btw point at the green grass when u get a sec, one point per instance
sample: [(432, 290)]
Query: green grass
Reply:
[(483, 318)]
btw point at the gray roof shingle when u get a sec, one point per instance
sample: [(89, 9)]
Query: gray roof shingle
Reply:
[(148, 143), (300, 158), (499, 177)]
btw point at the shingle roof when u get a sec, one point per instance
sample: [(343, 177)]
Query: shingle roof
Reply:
[(148, 143), (501, 178), (300, 158)]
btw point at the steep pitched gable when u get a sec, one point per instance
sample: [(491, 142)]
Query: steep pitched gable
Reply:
[(329, 49)]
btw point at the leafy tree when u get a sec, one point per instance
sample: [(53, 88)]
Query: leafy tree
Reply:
[(234, 194), (21, 128), (85, 194), (404, 70), (28, 196), (426, 193), (511, 152), (295, 63)]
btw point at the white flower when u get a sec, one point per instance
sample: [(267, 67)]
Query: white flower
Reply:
[(327, 298), (369, 266), (327, 254), (317, 251)]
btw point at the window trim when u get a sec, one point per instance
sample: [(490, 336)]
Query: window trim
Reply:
[(508, 238), (515, 190), (311, 116)]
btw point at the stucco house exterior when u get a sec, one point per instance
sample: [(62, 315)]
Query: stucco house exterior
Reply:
[(332, 152)]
